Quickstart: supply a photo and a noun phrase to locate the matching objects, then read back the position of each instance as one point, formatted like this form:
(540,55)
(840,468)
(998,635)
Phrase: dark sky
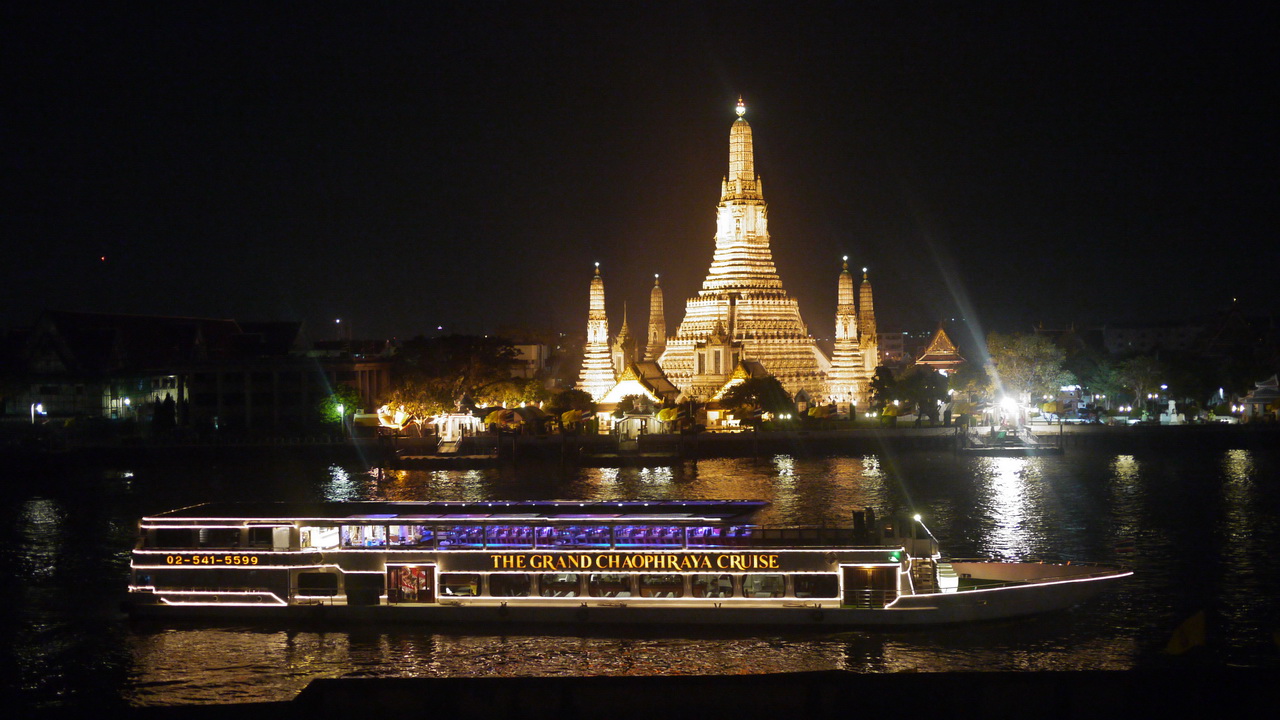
(465,164)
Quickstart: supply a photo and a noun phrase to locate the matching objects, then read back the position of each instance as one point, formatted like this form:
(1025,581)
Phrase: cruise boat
(632,562)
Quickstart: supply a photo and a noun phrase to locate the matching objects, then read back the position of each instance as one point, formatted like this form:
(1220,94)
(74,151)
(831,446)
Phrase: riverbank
(605,451)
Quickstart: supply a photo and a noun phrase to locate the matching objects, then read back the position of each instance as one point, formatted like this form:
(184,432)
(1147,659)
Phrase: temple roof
(941,352)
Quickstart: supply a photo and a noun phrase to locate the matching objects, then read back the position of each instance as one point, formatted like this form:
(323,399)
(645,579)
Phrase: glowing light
(742,107)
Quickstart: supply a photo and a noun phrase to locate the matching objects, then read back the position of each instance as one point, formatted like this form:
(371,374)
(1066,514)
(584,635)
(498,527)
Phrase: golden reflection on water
(1239,473)
(341,486)
(1006,480)
(1127,496)
(175,667)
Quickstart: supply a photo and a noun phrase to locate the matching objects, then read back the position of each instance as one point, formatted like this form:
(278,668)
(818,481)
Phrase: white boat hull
(1039,588)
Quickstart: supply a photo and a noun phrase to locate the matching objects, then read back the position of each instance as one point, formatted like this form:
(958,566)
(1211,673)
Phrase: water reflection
(341,485)
(40,528)
(1248,541)
(225,666)
(1008,507)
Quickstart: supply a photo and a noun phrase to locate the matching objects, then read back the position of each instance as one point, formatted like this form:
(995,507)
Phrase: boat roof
(678,511)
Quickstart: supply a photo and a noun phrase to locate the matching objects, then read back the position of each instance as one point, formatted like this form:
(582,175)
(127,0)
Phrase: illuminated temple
(742,310)
(742,313)
(856,352)
(597,363)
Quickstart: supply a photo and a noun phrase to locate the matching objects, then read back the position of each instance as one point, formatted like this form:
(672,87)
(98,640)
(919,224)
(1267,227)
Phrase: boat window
(220,537)
(411,536)
(364,536)
(668,586)
(510,584)
(509,536)
(825,585)
(558,585)
(320,538)
(574,536)
(174,538)
(764,586)
(738,535)
(649,535)
(705,536)
(459,584)
(609,585)
(317,583)
(261,536)
(712,586)
(410,584)
(460,536)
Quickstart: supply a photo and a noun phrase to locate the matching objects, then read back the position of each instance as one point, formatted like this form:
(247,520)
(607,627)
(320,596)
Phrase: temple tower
(846,381)
(870,339)
(742,311)
(657,324)
(624,347)
(597,366)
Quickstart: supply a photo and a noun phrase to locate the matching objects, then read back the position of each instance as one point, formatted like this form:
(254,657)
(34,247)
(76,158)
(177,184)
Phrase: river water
(1198,527)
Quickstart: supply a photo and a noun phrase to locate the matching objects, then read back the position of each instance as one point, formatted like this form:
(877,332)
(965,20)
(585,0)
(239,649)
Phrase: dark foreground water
(1201,528)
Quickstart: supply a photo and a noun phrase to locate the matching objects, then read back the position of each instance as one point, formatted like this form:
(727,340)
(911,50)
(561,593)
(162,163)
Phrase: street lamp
(36,408)
(342,425)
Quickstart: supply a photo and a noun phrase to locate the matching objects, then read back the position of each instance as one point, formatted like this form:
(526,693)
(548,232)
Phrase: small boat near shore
(1010,442)
(698,562)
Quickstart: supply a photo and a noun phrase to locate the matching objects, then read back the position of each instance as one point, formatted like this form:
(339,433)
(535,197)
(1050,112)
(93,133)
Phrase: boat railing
(868,598)
(1103,570)
(296,599)
(250,594)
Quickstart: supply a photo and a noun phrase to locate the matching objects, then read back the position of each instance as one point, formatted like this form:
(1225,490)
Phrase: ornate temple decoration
(742,311)
(847,381)
(867,333)
(597,365)
(624,347)
(657,324)
(632,382)
(941,354)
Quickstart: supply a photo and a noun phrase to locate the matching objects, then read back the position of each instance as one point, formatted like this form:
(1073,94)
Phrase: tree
(455,367)
(923,387)
(973,381)
(570,407)
(1141,375)
(344,397)
(1105,380)
(1023,366)
(883,389)
(421,400)
(757,394)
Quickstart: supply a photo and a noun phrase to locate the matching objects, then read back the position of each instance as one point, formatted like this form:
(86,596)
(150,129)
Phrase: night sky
(464,164)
